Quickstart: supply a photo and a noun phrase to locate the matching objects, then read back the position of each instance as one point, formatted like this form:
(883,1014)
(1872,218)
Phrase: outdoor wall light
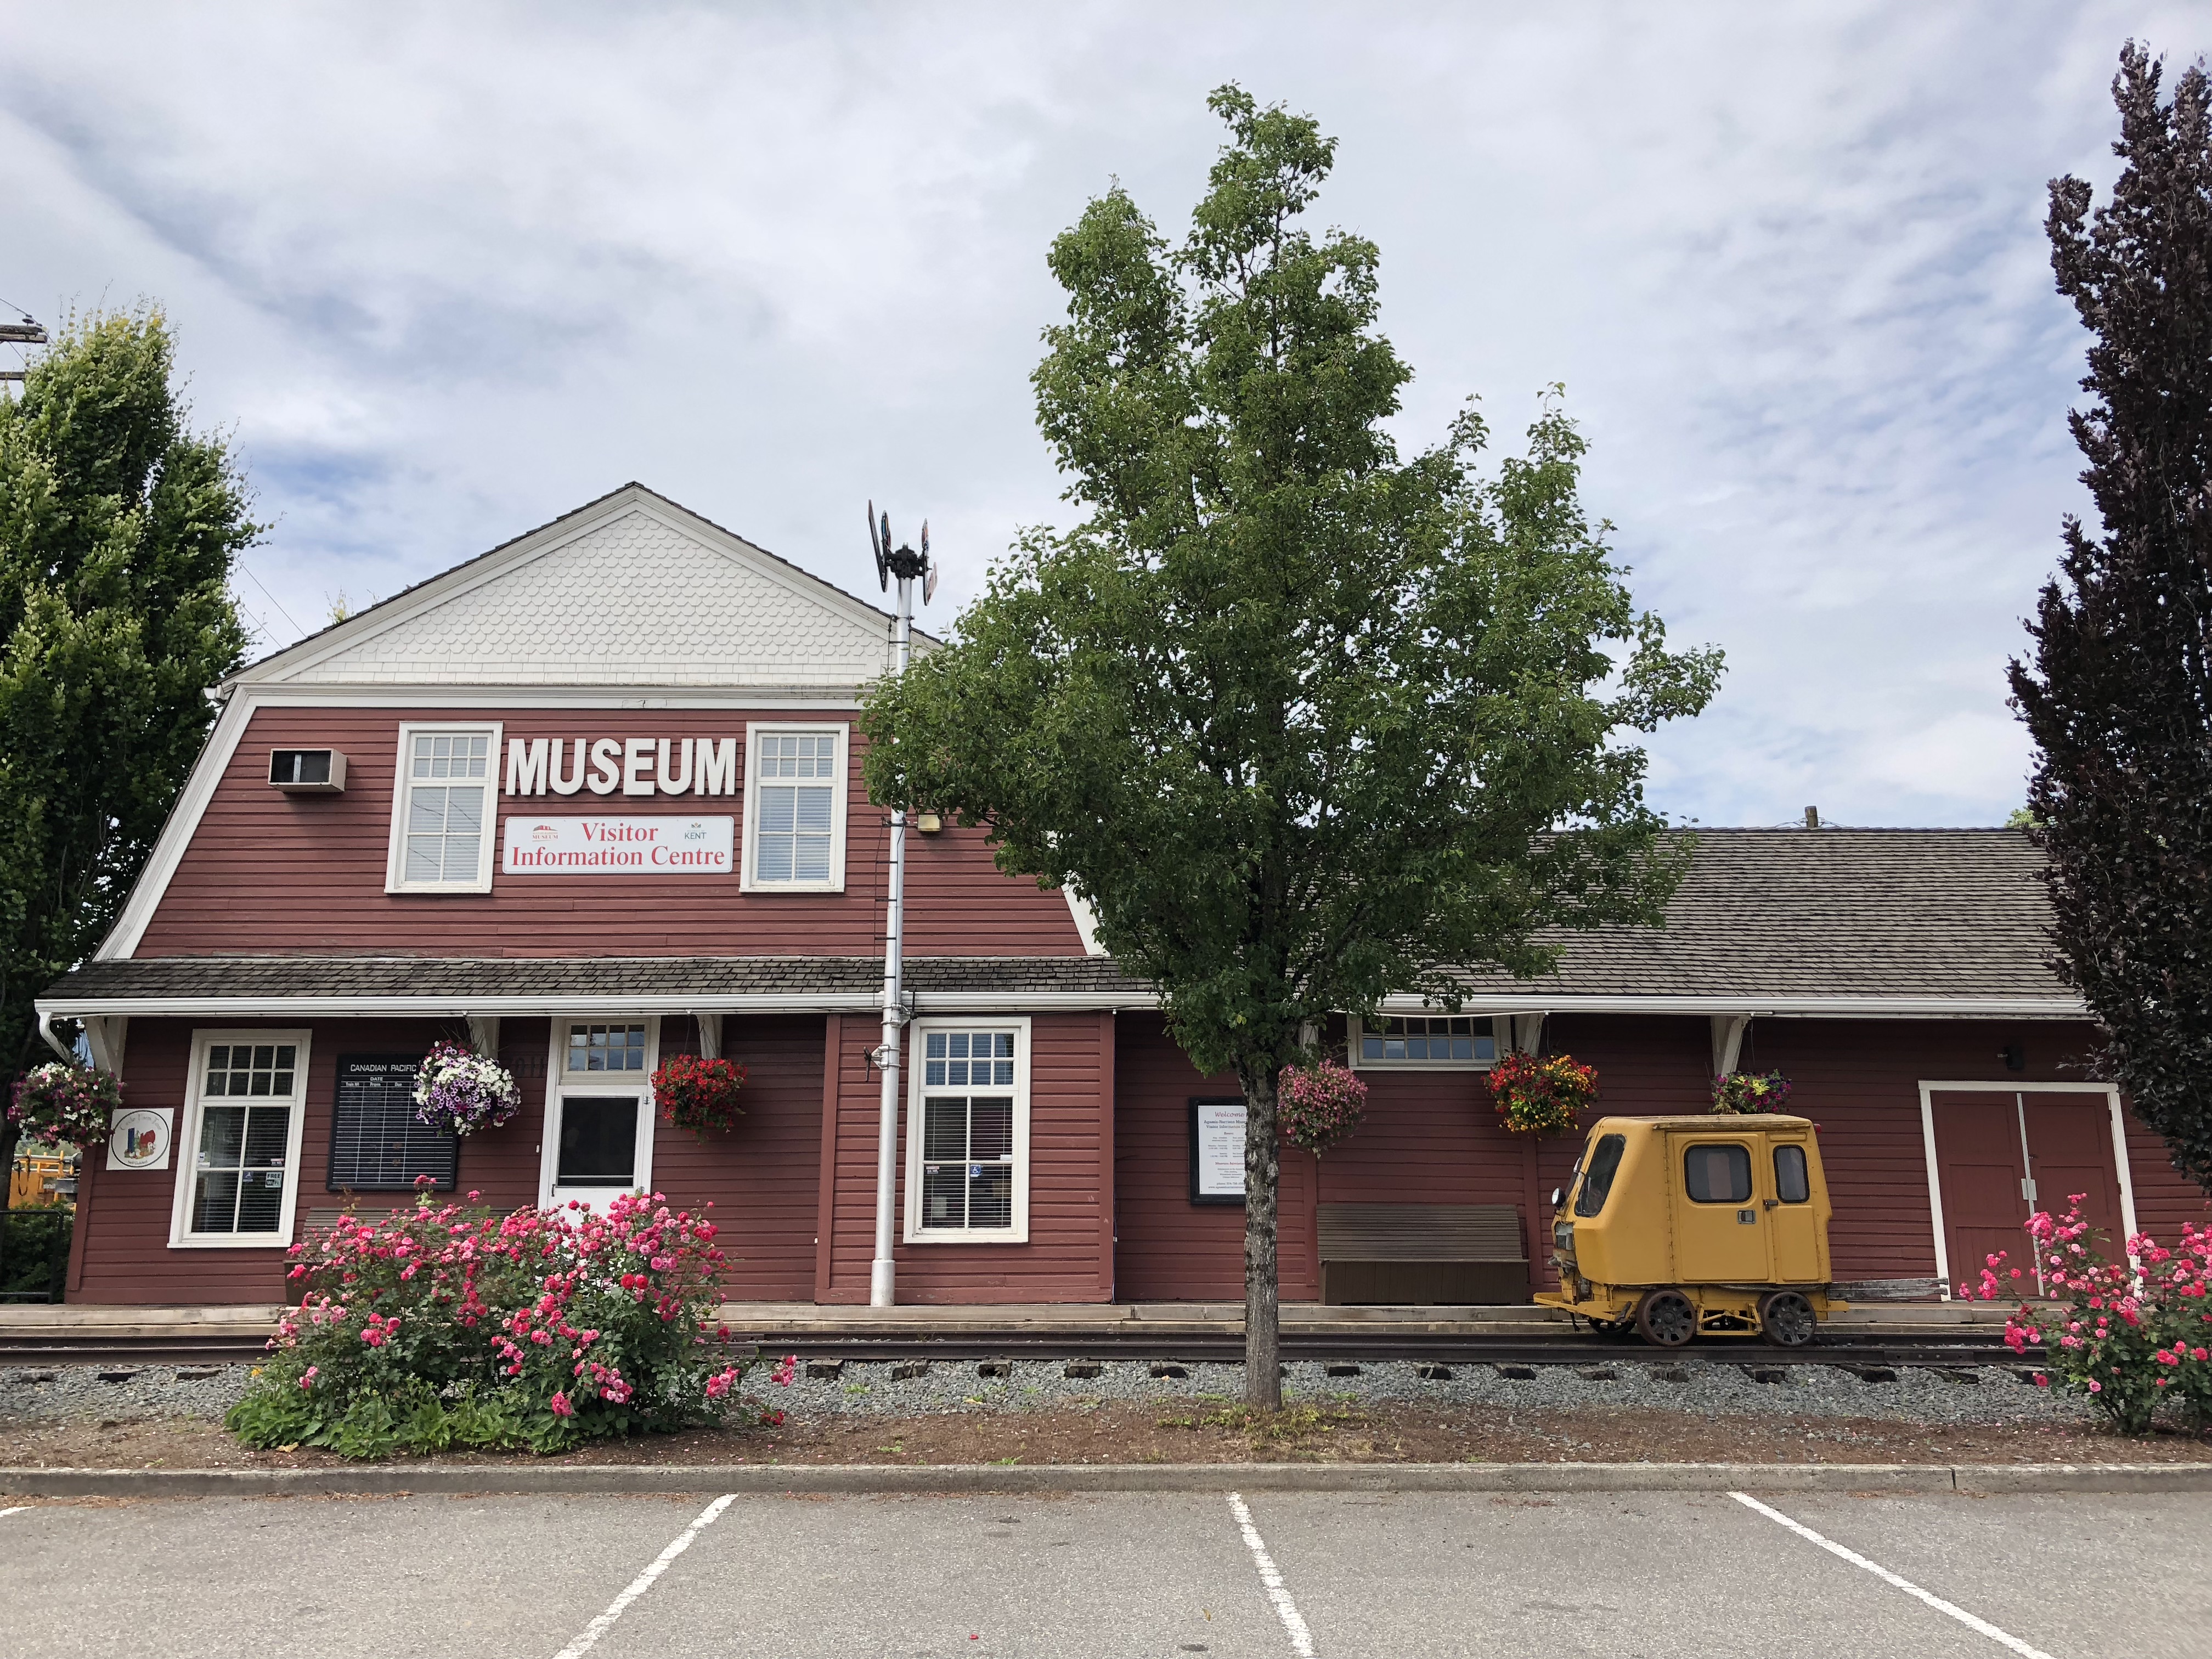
(927,823)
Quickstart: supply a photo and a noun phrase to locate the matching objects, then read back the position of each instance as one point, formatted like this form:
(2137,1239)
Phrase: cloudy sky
(447,272)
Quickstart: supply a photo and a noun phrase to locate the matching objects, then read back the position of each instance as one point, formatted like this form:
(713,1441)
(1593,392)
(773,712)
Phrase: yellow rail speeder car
(1678,1226)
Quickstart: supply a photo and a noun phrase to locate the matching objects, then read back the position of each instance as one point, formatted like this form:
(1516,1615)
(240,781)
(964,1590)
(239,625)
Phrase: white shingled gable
(631,591)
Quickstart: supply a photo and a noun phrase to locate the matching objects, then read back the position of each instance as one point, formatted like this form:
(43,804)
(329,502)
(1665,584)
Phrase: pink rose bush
(442,1325)
(2133,1334)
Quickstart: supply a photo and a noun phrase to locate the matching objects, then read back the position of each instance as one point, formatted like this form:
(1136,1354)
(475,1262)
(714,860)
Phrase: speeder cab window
(1717,1174)
(1597,1181)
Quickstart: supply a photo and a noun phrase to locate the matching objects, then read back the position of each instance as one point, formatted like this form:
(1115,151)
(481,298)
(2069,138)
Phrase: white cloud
(450,273)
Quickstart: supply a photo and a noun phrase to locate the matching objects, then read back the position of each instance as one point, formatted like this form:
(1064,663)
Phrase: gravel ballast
(49,1393)
(1710,1386)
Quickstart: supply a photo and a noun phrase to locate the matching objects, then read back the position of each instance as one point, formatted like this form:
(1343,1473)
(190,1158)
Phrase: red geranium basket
(699,1095)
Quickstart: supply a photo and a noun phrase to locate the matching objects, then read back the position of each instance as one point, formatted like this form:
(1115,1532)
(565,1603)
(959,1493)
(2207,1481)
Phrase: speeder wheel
(1667,1319)
(1786,1318)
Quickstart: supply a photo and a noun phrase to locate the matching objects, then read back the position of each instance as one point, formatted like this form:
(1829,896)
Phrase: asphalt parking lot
(1335,1576)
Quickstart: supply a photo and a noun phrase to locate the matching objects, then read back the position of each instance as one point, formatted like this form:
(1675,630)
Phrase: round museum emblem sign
(139,1139)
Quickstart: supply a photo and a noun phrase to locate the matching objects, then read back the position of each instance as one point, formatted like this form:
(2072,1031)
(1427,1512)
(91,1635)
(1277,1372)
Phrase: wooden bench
(1465,1254)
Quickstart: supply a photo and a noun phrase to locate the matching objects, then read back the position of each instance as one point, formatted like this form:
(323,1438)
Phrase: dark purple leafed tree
(2119,696)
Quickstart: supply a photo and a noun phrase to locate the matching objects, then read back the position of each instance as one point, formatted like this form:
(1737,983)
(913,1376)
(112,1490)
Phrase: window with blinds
(795,808)
(443,808)
(241,1135)
(968,1164)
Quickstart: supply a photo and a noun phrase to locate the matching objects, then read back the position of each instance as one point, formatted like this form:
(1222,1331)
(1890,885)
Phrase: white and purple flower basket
(462,1092)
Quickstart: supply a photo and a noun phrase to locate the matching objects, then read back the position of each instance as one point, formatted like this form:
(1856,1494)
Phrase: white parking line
(643,1582)
(1888,1577)
(18,1510)
(1272,1580)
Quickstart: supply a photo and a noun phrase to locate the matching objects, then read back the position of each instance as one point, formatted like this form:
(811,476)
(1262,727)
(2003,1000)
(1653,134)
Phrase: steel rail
(1567,1349)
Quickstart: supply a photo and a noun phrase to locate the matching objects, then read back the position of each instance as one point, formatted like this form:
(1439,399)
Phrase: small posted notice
(1218,1150)
(619,847)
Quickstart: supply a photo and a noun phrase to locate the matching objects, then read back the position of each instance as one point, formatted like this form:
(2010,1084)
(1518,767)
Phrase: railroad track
(1569,1348)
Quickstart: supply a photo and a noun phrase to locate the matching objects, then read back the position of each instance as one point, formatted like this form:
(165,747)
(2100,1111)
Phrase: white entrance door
(599,1111)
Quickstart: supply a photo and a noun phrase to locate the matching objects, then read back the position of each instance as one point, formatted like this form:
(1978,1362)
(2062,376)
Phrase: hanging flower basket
(1541,1096)
(65,1104)
(1747,1091)
(699,1095)
(1317,1106)
(458,1089)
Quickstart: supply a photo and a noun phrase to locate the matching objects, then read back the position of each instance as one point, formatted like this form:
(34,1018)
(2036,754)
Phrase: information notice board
(1216,1150)
(377,1143)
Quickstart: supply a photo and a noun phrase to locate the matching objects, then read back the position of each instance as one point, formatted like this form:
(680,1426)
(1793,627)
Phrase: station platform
(818,1324)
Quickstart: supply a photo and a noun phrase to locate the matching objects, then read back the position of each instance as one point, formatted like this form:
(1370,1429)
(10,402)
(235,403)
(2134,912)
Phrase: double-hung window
(794,809)
(444,807)
(967,1132)
(1415,1042)
(240,1176)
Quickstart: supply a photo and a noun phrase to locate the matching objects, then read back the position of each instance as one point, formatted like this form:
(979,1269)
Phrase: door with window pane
(249,1094)
(968,1132)
(599,1122)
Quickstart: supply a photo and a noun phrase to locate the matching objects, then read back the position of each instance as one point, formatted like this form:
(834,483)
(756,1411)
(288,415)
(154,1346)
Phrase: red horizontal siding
(2164,1197)
(1168,1248)
(760,1178)
(793,1188)
(1060,1261)
(1858,1080)
(325,855)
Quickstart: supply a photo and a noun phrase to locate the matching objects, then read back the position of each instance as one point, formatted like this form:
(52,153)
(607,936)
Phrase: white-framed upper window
(443,808)
(1451,1042)
(238,1179)
(967,1132)
(794,808)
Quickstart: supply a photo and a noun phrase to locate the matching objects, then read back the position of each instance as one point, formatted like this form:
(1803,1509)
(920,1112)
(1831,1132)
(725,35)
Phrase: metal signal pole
(25,332)
(908,566)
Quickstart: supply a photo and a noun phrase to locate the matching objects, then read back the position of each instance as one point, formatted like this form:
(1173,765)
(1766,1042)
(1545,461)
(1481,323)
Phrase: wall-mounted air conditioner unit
(307,771)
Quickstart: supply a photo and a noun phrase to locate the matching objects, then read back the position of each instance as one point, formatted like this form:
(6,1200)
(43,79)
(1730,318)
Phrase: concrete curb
(386,1480)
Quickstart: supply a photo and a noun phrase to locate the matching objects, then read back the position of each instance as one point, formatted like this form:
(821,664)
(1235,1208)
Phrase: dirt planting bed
(1199,1430)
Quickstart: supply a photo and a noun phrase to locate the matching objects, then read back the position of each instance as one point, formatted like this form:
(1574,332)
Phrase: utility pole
(908,566)
(25,332)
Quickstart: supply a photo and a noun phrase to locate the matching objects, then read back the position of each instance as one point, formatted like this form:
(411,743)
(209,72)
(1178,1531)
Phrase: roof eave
(445,1006)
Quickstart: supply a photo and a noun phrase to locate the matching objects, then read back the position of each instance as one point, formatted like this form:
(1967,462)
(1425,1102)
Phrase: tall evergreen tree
(117,530)
(2119,695)
(1309,722)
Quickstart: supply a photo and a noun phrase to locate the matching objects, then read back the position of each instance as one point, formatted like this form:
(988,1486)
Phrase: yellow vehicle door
(1720,1232)
(1793,1221)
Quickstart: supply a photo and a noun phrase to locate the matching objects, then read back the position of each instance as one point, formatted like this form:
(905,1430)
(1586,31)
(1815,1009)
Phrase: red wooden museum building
(594,799)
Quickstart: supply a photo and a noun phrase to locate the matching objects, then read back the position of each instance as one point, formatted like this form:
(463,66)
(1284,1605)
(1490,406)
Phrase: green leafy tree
(2119,697)
(117,530)
(1307,722)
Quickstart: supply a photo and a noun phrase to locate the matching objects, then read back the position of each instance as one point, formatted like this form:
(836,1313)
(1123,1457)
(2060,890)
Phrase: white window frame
(561,1082)
(749,880)
(188,1143)
(1500,1041)
(1018,1233)
(395,868)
